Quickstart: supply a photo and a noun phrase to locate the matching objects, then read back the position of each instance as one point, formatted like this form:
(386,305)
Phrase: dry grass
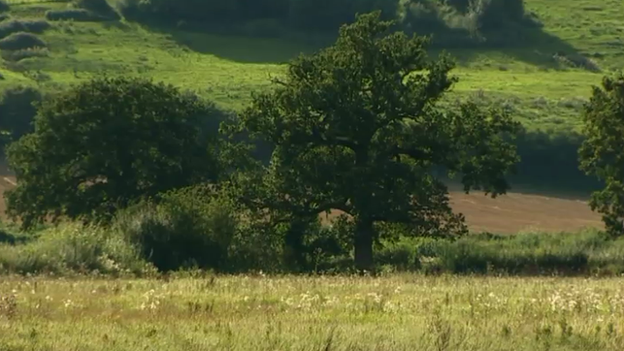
(399,312)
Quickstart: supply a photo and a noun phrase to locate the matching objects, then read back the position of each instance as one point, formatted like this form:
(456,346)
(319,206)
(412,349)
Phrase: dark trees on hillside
(17,110)
(356,128)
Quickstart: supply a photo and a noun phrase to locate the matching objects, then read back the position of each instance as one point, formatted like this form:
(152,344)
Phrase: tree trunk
(364,244)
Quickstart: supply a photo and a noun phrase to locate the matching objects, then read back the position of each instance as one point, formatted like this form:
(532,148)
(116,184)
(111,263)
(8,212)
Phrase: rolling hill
(529,77)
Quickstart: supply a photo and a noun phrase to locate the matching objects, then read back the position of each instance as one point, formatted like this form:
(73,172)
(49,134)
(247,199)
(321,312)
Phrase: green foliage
(85,11)
(601,153)
(183,230)
(21,41)
(106,143)
(356,128)
(522,254)
(72,248)
(14,26)
(490,14)
(4,6)
(17,108)
(323,15)
(99,7)
(198,227)
(549,161)
(328,15)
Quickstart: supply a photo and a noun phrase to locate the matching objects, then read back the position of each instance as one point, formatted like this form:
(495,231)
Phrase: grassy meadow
(398,312)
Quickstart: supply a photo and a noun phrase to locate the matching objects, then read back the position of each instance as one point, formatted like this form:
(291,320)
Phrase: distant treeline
(326,15)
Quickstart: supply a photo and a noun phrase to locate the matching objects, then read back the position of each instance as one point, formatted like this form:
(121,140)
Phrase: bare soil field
(506,214)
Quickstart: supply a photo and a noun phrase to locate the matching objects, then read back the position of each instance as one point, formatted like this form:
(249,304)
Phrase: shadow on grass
(243,49)
(524,43)
(527,43)
(7,238)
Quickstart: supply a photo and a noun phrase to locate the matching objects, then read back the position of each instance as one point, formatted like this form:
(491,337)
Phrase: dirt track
(505,215)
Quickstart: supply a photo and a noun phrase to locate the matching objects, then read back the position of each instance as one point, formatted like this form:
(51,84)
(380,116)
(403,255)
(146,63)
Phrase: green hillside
(545,92)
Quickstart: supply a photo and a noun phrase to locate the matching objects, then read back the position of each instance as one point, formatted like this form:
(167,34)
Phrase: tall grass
(530,253)
(70,249)
(152,238)
(245,313)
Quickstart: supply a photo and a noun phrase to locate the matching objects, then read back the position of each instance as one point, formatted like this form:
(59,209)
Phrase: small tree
(105,143)
(356,128)
(602,152)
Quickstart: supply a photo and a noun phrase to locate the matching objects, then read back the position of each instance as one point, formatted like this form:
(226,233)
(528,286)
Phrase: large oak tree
(107,142)
(356,127)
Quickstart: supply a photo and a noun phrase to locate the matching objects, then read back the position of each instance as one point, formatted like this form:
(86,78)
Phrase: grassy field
(399,312)
(544,93)
(396,312)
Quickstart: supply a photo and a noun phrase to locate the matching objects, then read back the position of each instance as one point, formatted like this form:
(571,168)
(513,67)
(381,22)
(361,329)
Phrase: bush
(15,26)
(100,7)
(4,7)
(21,41)
(323,15)
(494,14)
(583,253)
(329,15)
(72,249)
(18,110)
(550,162)
(181,231)
(18,55)
(173,11)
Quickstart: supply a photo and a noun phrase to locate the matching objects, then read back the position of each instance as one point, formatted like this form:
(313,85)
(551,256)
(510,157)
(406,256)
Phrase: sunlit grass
(399,312)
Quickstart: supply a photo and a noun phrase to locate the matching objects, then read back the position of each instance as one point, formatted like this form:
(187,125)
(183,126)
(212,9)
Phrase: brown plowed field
(505,215)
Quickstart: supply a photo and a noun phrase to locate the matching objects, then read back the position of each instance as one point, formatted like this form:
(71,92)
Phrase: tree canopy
(602,152)
(104,143)
(356,127)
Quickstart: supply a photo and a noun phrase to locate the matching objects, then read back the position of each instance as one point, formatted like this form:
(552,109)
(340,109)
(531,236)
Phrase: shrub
(328,15)
(100,7)
(181,231)
(550,162)
(21,41)
(320,15)
(18,110)
(18,55)
(4,16)
(72,248)
(494,14)
(15,26)
(530,253)
(4,7)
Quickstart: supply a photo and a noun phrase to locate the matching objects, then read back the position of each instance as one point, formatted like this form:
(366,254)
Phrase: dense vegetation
(107,142)
(356,127)
(323,15)
(256,312)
